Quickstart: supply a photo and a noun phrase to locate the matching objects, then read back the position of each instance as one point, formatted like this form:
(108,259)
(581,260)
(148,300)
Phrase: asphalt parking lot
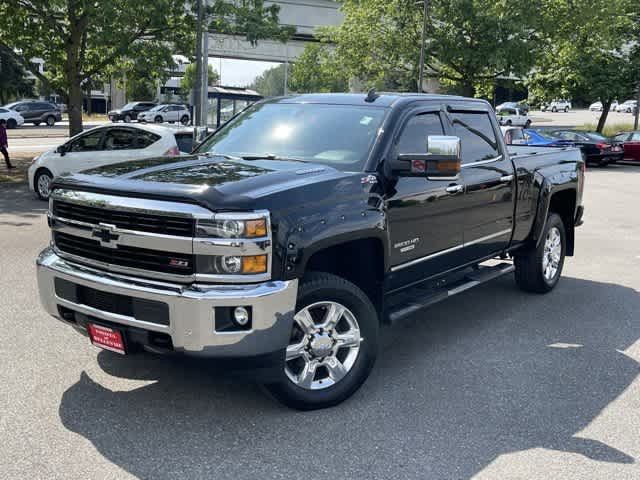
(492,384)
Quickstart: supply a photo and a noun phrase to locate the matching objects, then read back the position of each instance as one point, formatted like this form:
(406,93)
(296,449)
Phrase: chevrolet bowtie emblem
(104,232)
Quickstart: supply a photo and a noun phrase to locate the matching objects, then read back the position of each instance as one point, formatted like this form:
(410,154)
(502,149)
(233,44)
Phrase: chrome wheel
(44,182)
(325,342)
(552,254)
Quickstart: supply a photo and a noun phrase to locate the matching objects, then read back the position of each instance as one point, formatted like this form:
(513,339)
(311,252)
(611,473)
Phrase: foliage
(248,18)
(590,51)
(188,80)
(13,82)
(271,82)
(469,42)
(318,70)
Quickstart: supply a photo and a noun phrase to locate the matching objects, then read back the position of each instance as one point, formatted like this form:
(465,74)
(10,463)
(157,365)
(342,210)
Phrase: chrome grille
(162,224)
(131,257)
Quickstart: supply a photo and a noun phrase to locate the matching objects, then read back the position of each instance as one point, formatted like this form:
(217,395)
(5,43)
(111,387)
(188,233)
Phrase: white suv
(166,113)
(559,106)
(627,107)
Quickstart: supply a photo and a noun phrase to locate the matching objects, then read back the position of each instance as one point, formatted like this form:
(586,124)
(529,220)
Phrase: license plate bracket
(107,338)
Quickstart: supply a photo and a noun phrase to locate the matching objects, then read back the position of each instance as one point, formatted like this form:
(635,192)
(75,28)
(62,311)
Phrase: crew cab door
(488,177)
(424,215)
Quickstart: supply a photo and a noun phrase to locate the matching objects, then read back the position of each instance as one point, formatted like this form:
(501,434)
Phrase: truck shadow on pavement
(489,372)
(19,201)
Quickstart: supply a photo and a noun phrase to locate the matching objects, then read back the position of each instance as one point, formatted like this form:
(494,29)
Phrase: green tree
(188,80)
(13,80)
(83,38)
(469,42)
(591,51)
(318,70)
(271,82)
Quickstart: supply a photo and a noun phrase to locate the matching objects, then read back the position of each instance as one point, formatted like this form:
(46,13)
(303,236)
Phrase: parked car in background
(13,118)
(533,138)
(522,105)
(630,145)
(513,116)
(104,145)
(37,112)
(130,111)
(597,106)
(596,147)
(627,107)
(166,113)
(558,106)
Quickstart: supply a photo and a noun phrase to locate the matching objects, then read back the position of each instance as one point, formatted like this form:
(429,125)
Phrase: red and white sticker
(106,338)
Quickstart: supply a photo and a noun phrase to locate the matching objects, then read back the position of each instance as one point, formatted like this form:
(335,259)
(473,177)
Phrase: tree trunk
(75,106)
(606,105)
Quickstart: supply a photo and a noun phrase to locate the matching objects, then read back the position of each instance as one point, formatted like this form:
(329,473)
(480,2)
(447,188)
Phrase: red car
(631,144)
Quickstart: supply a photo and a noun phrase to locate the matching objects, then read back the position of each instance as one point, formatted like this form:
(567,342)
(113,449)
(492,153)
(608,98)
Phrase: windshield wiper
(270,156)
(223,155)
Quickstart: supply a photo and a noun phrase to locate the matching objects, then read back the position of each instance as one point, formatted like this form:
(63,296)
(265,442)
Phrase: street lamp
(422,45)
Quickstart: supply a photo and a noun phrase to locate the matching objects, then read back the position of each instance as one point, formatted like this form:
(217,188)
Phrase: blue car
(533,138)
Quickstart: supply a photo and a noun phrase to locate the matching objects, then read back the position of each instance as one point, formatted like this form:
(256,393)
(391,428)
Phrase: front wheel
(554,109)
(332,346)
(127,119)
(42,183)
(566,109)
(51,121)
(158,119)
(184,120)
(539,270)
(11,123)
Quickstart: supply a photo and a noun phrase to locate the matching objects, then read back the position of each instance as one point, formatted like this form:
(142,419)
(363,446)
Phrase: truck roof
(384,99)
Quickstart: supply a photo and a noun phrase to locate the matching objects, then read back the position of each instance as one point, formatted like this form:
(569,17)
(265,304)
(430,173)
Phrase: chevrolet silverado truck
(295,230)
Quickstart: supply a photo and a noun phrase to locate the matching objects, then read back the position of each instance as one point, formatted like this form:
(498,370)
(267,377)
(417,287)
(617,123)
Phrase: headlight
(230,228)
(231,264)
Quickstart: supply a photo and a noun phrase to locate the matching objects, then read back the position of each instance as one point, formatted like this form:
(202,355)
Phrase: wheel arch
(562,200)
(360,261)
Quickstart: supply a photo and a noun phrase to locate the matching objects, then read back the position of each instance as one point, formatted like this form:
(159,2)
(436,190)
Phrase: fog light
(241,316)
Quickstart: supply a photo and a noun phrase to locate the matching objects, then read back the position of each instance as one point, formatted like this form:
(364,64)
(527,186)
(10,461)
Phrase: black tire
(318,287)
(529,266)
(554,109)
(508,123)
(36,123)
(184,120)
(11,123)
(158,119)
(527,124)
(51,121)
(566,109)
(40,192)
(127,118)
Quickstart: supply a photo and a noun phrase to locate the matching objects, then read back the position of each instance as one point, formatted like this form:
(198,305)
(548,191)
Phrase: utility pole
(422,45)
(205,75)
(197,85)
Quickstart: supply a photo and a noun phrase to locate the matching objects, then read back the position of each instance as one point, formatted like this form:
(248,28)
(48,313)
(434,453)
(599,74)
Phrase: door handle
(454,189)
(506,178)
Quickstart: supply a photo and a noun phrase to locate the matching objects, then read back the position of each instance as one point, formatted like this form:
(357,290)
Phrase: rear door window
(120,139)
(477,138)
(145,139)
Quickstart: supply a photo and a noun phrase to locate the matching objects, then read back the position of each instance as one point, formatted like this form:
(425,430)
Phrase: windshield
(337,135)
(11,105)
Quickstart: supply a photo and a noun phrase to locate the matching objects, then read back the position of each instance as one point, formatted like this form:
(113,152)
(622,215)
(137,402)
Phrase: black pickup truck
(291,233)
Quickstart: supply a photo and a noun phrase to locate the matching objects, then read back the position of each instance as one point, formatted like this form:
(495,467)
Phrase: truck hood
(214,182)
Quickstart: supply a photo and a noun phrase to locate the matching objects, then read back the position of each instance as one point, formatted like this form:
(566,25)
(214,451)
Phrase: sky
(238,73)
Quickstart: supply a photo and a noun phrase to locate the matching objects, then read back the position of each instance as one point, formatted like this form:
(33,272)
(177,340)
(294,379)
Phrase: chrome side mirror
(442,159)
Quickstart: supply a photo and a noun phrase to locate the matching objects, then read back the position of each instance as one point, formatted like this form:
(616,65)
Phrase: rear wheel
(539,270)
(11,123)
(42,183)
(508,122)
(51,121)
(127,118)
(184,120)
(332,347)
(566,109)
(527,124)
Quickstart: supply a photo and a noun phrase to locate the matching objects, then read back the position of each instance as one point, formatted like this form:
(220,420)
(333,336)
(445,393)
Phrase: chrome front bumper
(191,308)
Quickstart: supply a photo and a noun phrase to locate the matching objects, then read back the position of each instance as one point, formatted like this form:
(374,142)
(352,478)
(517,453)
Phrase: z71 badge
(407,245)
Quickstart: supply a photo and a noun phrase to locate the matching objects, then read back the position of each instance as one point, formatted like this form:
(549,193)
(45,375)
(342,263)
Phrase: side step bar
(418,297)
